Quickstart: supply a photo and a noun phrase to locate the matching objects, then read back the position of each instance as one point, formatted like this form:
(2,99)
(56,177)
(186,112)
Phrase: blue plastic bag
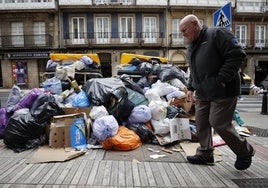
(81,100)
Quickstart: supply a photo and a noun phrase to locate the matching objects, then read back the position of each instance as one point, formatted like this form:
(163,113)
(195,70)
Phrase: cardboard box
(179,129)
(74,110)
(78,134)
(183,103)
(59,135)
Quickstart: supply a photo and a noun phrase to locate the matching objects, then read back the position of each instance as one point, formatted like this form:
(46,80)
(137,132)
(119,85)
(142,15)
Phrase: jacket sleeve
(231,53)
(189,85)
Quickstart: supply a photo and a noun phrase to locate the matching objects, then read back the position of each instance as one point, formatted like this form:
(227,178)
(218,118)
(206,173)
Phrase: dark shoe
(244,162)
(199,159)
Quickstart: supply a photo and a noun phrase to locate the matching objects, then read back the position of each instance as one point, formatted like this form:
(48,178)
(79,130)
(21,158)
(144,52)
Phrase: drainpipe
(60,36)
(166,30)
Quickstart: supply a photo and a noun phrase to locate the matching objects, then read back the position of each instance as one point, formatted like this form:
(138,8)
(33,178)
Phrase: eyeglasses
(185,29)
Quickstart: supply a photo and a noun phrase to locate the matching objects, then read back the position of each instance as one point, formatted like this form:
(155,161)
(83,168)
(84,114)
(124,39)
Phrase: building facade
(31,30)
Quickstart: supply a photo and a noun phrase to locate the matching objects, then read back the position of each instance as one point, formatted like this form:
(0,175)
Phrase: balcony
(200,3)
(257,6)
(25,41)
(27,5)
(96,2)
(106,39)
(176,40)
(251,44)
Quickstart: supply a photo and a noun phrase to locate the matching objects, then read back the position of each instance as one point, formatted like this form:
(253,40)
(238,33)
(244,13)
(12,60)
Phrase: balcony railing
(109,39)
(27,4)
(257,43)
(257,6)
(97,2)
(25,41)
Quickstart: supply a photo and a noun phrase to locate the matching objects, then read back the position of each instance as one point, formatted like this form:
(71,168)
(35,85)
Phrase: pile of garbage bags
(124,114)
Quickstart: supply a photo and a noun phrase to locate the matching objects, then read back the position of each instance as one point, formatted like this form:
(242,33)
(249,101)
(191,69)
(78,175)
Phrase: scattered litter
(166,150)
(90,146)
(156,156)
(136,161)
(153,150)
(177,149)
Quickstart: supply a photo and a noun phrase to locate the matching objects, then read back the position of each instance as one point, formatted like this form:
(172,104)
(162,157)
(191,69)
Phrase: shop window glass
(19,72)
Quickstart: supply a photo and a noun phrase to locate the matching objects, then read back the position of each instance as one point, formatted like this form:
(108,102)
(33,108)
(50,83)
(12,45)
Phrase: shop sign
(27,55)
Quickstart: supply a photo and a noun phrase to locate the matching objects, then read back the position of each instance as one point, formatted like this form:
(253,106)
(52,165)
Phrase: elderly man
(214,58)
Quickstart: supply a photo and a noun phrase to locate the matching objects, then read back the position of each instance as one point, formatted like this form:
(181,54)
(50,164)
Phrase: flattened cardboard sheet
(190,148)
(46,154)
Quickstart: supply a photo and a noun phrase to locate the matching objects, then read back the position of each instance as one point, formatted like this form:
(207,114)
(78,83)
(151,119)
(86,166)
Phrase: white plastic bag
(161,127)
(163,88)
(158,109)
(105,127)
(97,112)
(140,114)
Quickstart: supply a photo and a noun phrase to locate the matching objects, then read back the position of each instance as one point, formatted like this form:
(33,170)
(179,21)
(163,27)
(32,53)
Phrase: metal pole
(264,103)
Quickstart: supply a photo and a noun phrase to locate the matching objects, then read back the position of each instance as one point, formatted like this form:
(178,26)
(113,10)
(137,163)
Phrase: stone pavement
(92,170)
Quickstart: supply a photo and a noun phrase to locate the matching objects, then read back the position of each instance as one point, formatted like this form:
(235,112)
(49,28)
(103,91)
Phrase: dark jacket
(214,60)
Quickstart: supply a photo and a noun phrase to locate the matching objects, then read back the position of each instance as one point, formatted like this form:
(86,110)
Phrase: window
(126,2)
(78,30)
(177,37)
(9,1)
(102,30)
(101,2)
(17,34)
(39,33)
(19,72)
(149,29)
(241,34)
(260,33)
(126,29)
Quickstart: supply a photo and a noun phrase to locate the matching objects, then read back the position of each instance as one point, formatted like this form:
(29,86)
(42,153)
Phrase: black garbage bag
(145,68)
(99,90)
(174,111)
(129,82)
(136,61)
(65,84)
(120,107)
(137,98)
(45,107)
(144,82)
(141,130)
(172,72)
(23,132)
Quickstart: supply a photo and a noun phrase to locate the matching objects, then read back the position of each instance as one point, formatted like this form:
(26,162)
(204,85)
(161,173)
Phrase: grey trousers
(219,115)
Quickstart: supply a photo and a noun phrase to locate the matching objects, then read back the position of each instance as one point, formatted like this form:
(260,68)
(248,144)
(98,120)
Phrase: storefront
(23,69)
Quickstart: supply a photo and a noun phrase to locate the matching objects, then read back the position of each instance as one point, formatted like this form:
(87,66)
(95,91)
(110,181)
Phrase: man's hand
(190,96)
